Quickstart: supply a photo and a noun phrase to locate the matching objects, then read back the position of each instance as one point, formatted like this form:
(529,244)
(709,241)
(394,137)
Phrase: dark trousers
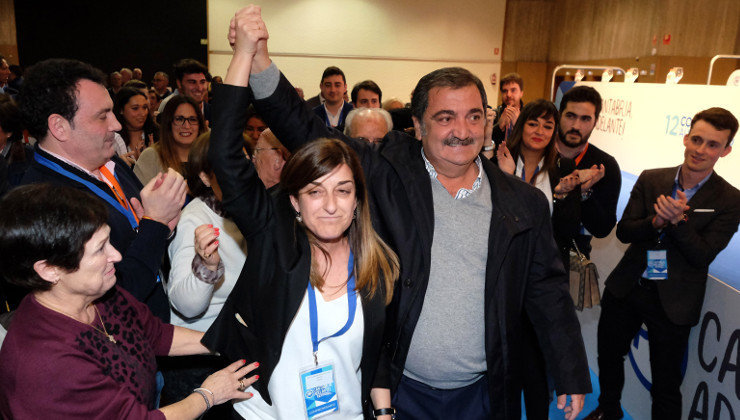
(535,386)
(620,320)
(415,400)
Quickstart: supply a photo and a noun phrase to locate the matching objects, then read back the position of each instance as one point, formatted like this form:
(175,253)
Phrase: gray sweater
(448,349)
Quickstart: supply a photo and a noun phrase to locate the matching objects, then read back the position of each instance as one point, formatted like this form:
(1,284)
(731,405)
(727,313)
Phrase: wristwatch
(385,411)
(585,194)
(488,148)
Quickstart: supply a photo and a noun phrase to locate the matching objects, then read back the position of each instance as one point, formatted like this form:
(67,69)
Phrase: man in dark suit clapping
(676,222)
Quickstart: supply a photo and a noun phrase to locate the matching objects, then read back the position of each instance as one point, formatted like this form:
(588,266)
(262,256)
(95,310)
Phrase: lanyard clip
(315,359)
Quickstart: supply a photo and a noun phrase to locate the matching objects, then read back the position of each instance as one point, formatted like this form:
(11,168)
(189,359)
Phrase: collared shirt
(331,119)
(462,192)
(691,191)
(111,165)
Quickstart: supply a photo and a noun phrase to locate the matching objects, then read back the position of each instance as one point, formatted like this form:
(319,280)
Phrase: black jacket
(599,212)
(523,271)
(273,282)
(690,246)
(142,251)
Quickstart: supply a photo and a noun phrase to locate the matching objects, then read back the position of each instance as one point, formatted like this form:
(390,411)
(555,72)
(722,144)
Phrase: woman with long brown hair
(180,124)
(309,305)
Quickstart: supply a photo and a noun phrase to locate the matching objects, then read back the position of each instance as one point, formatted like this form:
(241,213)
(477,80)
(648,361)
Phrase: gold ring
(242,386)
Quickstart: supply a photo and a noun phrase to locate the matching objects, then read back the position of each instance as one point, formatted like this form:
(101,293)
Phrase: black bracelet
(384,411)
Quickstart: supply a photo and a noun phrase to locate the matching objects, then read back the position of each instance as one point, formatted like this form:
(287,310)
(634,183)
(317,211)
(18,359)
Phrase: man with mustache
(475,247)
(579,111)
(676,222)
(69,111)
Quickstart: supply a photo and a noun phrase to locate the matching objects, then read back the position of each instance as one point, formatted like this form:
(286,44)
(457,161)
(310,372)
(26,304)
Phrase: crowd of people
(335,256)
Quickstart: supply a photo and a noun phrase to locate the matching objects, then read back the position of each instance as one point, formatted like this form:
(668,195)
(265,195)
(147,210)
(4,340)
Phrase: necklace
(102,324)
(104,330)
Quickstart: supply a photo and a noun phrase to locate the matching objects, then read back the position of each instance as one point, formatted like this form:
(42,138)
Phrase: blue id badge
(319,391)
(657,265)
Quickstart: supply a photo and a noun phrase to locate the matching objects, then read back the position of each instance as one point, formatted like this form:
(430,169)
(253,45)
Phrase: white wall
(391,42)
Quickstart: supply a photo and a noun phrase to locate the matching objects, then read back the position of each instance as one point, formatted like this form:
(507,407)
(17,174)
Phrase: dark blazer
(273,282)
(346,108)
(142,251)
(313,102)
(691,246)
(523,271)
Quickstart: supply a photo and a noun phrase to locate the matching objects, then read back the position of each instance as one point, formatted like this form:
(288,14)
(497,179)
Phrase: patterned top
(462,192)
(56,367)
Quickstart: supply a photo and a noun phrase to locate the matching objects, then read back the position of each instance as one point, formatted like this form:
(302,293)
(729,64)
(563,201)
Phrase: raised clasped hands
(669,209)
(247,31)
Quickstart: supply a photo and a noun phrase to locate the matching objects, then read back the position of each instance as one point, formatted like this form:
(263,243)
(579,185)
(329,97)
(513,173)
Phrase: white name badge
(657,265)
(319,391)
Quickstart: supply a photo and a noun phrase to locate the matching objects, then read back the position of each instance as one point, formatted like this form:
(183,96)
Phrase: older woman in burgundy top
(79,347)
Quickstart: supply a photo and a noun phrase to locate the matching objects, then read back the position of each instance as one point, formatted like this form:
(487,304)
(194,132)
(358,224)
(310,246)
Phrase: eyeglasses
(180,120)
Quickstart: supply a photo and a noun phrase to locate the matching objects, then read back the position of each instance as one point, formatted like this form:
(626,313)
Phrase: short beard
(564,140)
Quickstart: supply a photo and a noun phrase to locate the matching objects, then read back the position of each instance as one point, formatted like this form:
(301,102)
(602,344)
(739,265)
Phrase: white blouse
(343,352)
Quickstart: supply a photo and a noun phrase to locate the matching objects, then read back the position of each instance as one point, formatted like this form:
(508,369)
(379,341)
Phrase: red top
(53,366)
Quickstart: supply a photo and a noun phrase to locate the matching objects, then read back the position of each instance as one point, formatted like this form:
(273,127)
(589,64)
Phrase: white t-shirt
(343,352)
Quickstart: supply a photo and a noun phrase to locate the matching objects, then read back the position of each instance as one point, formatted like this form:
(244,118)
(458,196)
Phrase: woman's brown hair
(165,147)
(375,261)
(533,110)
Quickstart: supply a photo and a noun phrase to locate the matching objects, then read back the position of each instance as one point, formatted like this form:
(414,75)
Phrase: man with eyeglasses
(69,111)
(192,78)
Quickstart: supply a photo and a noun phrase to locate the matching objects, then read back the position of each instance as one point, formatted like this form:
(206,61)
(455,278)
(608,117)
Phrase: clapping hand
(590,176)
(669,209)
(568,183)
(505,161)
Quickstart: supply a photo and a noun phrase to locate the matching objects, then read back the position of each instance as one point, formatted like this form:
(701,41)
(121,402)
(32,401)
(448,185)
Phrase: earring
(298,217)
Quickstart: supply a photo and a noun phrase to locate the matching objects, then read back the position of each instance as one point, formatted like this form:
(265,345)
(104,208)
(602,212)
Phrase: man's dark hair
(45,222)
(10,118)
(50,87)
(720,119)
(451,77)
(135,84)
(367,85)
(333,71)
(512,78)
(189,66)
(582,94)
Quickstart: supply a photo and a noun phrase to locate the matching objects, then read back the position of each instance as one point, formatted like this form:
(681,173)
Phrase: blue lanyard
(92,187)
(313,315)
(328,121)
(536,170)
